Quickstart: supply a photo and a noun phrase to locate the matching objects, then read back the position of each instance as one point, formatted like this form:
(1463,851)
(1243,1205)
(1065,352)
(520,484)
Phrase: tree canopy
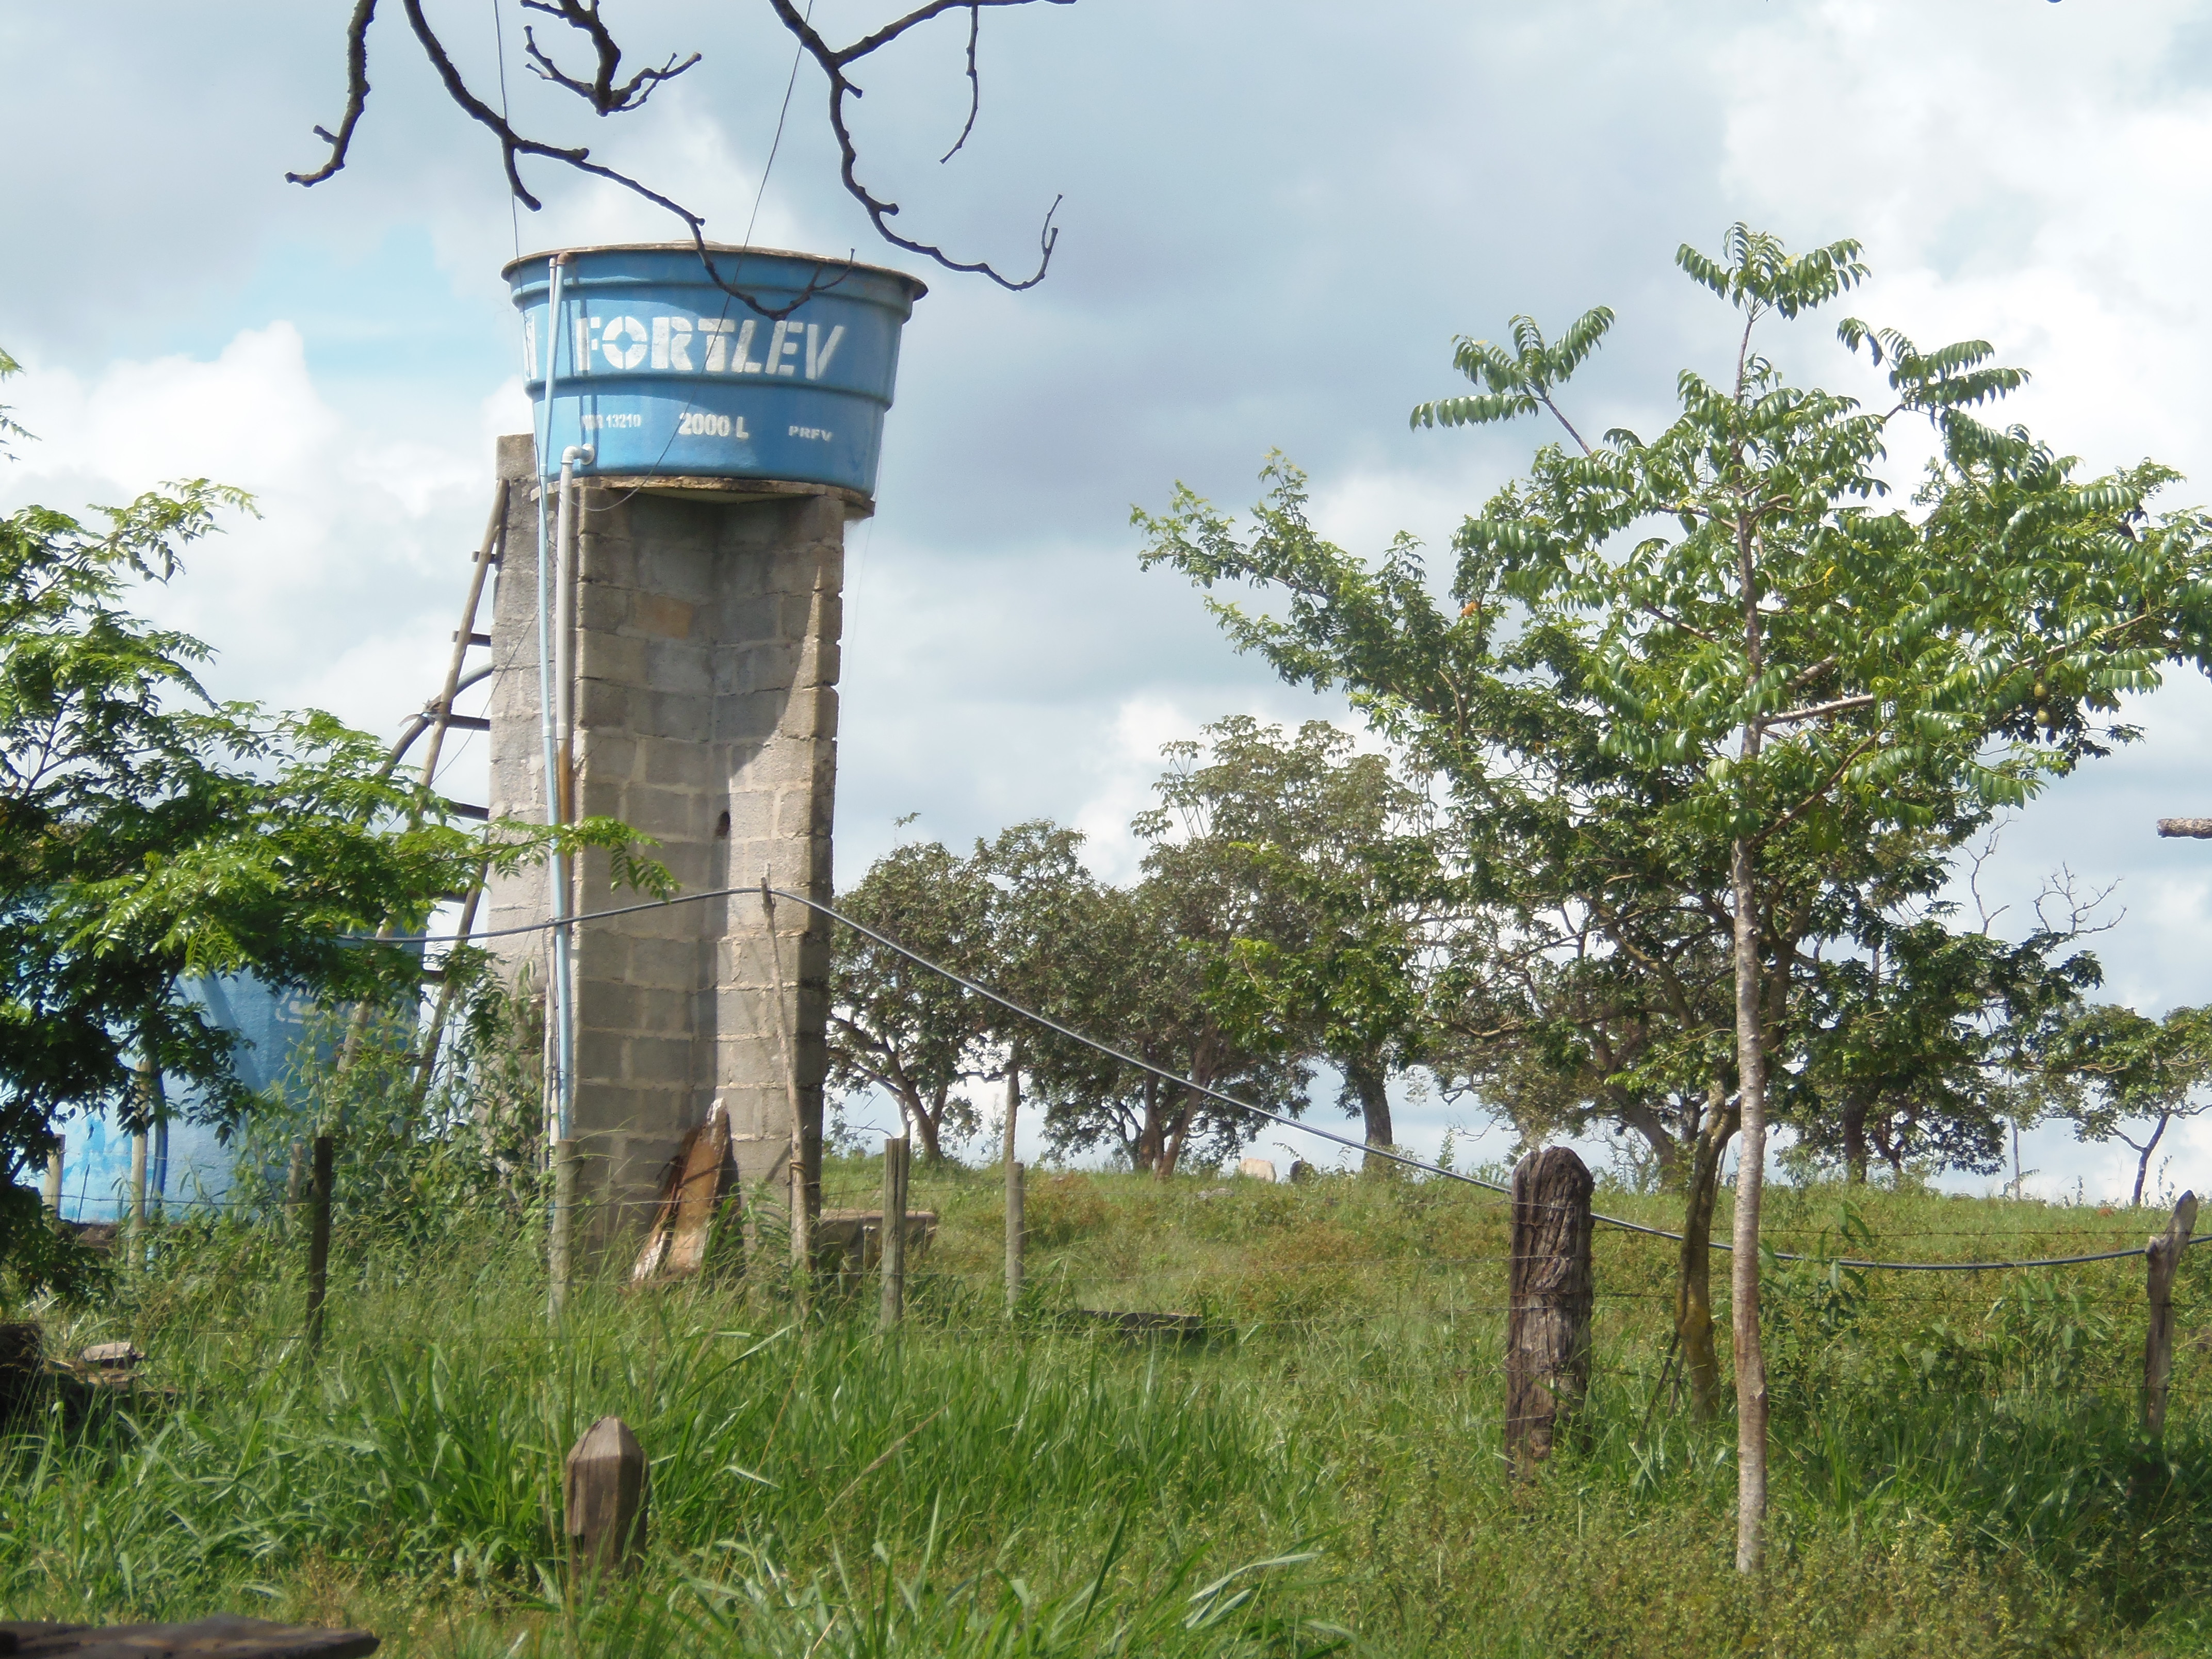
(1762,665)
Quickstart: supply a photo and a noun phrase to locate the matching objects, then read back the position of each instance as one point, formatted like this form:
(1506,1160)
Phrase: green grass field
(1957,1470)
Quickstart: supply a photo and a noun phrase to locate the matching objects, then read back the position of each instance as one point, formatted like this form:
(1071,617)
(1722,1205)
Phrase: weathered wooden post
(2161,1256)
(52,1195)
(136,1256)
(560,1244)
(1547,1343)
(606,1494)
(319,1241)
(806,1194)
(1015,1233)
(896,1151)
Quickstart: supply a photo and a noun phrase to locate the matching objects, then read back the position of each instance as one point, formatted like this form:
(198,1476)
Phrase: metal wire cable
(1208,1090)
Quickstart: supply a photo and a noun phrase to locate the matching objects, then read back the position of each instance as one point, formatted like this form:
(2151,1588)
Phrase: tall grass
(1958,1470)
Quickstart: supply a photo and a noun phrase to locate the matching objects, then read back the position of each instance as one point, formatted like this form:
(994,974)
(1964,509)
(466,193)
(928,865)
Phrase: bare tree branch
(357,97)
(974,84)
(834,63)
(600,91)
(610,97)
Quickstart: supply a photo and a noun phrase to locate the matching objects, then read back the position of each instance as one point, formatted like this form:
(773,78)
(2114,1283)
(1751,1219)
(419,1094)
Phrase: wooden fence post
(802,1237)
(318,1242)
(136,1256)
(560,1244)
(53,1192)
(606,1498)
(1547,1342)
(2161,1256)
(1015,1235)
(896,1149)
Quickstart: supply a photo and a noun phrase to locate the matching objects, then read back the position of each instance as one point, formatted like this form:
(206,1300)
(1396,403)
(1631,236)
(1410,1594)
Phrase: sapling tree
(1783,666)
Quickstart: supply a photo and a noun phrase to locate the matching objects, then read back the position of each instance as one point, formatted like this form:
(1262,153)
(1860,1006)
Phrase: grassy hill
(1957,1468)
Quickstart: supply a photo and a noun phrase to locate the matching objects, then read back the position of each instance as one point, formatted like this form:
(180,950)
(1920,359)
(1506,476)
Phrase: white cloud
(337,595)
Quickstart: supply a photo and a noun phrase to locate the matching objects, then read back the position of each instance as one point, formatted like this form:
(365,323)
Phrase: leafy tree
(152,833)
(1044,914)
(896,1026)
(2123,1076)
(1143,988)
(1783,670)
(1322,874)
(1924,1044)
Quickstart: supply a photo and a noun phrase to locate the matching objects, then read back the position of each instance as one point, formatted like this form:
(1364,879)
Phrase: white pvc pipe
(557,991)
(565,572)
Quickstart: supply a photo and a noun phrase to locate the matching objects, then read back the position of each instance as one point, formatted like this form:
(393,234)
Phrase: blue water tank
(190,1169)
(665,373)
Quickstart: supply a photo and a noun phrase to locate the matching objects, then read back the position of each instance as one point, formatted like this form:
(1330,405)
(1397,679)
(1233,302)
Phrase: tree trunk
(1854,1140)
(927,1123)
(1370,1085)
(2143,1163)
(1750,1182)
(1013,1102)
(1178,1132)
(1152,1138)
(1693,1288)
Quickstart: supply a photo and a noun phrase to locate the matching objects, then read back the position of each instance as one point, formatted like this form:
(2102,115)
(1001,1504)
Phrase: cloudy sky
(1275,219)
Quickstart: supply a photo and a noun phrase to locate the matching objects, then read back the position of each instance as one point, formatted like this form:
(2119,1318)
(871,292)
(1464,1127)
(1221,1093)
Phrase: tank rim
(916,283)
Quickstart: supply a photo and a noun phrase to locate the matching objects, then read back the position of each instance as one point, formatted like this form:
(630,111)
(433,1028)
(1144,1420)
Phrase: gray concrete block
(603,655)
(658,713)
(677,666)
(606,704)
(662,616)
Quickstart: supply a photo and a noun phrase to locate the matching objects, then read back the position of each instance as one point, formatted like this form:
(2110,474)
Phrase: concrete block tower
(708,616)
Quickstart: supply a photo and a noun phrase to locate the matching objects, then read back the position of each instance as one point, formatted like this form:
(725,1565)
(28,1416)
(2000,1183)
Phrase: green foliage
(1660,653)
(2121,1076)
(149,832)
(1130,968)
(1323,882)
(896,1026)
(1924,1047)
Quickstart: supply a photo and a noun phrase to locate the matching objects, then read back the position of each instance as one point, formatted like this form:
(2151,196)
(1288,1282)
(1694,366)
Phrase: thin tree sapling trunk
(1693,1289)
(1750,1180)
